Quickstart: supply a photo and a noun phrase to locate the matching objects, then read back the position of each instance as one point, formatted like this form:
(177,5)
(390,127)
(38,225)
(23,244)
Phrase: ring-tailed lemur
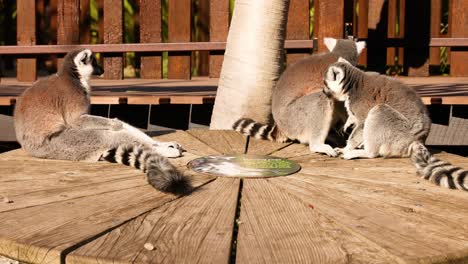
(52,121)
(390,120)
(300,110)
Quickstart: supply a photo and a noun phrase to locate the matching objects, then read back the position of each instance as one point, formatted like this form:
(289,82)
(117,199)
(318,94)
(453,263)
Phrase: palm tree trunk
(253,62)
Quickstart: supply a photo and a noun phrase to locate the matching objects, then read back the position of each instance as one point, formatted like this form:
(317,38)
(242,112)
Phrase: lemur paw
(116,124)
(168,149)
(323,148)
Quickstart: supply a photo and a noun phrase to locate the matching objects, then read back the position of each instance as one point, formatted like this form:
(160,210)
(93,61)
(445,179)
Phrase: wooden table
(332,211)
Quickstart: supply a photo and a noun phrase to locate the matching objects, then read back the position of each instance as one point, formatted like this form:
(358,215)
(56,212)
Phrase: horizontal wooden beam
(138,47)
(194,99)
(449,42)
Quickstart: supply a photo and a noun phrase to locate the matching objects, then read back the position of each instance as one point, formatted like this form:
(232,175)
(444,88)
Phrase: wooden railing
(403,36)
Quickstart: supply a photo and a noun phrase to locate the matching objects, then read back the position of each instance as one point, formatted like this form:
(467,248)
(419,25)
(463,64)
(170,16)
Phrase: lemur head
(335,80)
(346,48)
(81,64)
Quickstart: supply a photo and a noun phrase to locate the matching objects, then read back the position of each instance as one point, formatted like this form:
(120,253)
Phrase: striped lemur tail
(257,130)
(437,171)
(160,173)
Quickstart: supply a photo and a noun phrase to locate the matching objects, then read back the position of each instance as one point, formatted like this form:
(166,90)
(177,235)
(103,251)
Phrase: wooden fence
(404,37)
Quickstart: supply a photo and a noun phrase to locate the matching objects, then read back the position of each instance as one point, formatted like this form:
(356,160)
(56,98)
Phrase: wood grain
(194,229)
(113,34)
(297,28)
(225,141)
(436,17)
(414,223)
(219,27)
(264,147)
(329,19)
(190,143)
(459,29)
(26,35)
(276,227)
(150,32)
(363,28)
(179,25)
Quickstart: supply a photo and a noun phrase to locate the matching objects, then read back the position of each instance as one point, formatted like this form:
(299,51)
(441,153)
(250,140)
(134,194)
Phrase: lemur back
(52,121)
(300,110)
(389,119)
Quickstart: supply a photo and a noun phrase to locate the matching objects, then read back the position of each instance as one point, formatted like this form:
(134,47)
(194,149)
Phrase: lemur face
(86,64)
(334,80)
(333,83)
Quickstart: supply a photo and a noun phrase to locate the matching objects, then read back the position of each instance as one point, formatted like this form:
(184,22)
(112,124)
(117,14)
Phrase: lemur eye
(84,59)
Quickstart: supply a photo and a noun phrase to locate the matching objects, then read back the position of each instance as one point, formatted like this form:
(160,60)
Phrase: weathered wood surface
(201,90)
(332,211)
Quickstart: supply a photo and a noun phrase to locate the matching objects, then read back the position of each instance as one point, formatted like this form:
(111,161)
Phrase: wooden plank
(362,28)
(85,21)
(436,19)
(276,227)
(113,33)
(401,21)
(68,23)
(264,147)
(459,29)
(225,141)
(413,221)
(196,228)
(328,22)
(179,26)
(40,234)
(137,47)
(60,184)
(391,30)
(219,27)
(297,27)
(293,150)
(190,143)
(150,32)
(203,28)
(449,42)
(26,35)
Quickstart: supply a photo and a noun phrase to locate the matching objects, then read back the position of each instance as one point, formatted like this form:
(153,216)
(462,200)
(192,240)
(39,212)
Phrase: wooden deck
(332,211)
(434,90)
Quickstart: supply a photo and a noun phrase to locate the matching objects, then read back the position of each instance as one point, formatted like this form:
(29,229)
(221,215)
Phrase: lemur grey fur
(389,120)
(52,121)
(300,110)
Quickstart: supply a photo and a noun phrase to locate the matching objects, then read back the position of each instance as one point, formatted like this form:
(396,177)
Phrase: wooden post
(298,27)
(179,24)
(459,29)
(362,27)
(203,27)
(85,21)
(68,23)
(150,32)
(436,12)
(328,20)
(219,28)
(26,35)
(113,34)
(391,30)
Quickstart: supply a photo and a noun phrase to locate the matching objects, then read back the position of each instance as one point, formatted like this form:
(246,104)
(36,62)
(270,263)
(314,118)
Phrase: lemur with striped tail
(52,121)
(389,119)
(300,110)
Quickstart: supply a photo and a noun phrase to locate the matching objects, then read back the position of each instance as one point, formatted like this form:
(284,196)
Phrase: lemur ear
(360,45)
(330,43)
(341,59)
